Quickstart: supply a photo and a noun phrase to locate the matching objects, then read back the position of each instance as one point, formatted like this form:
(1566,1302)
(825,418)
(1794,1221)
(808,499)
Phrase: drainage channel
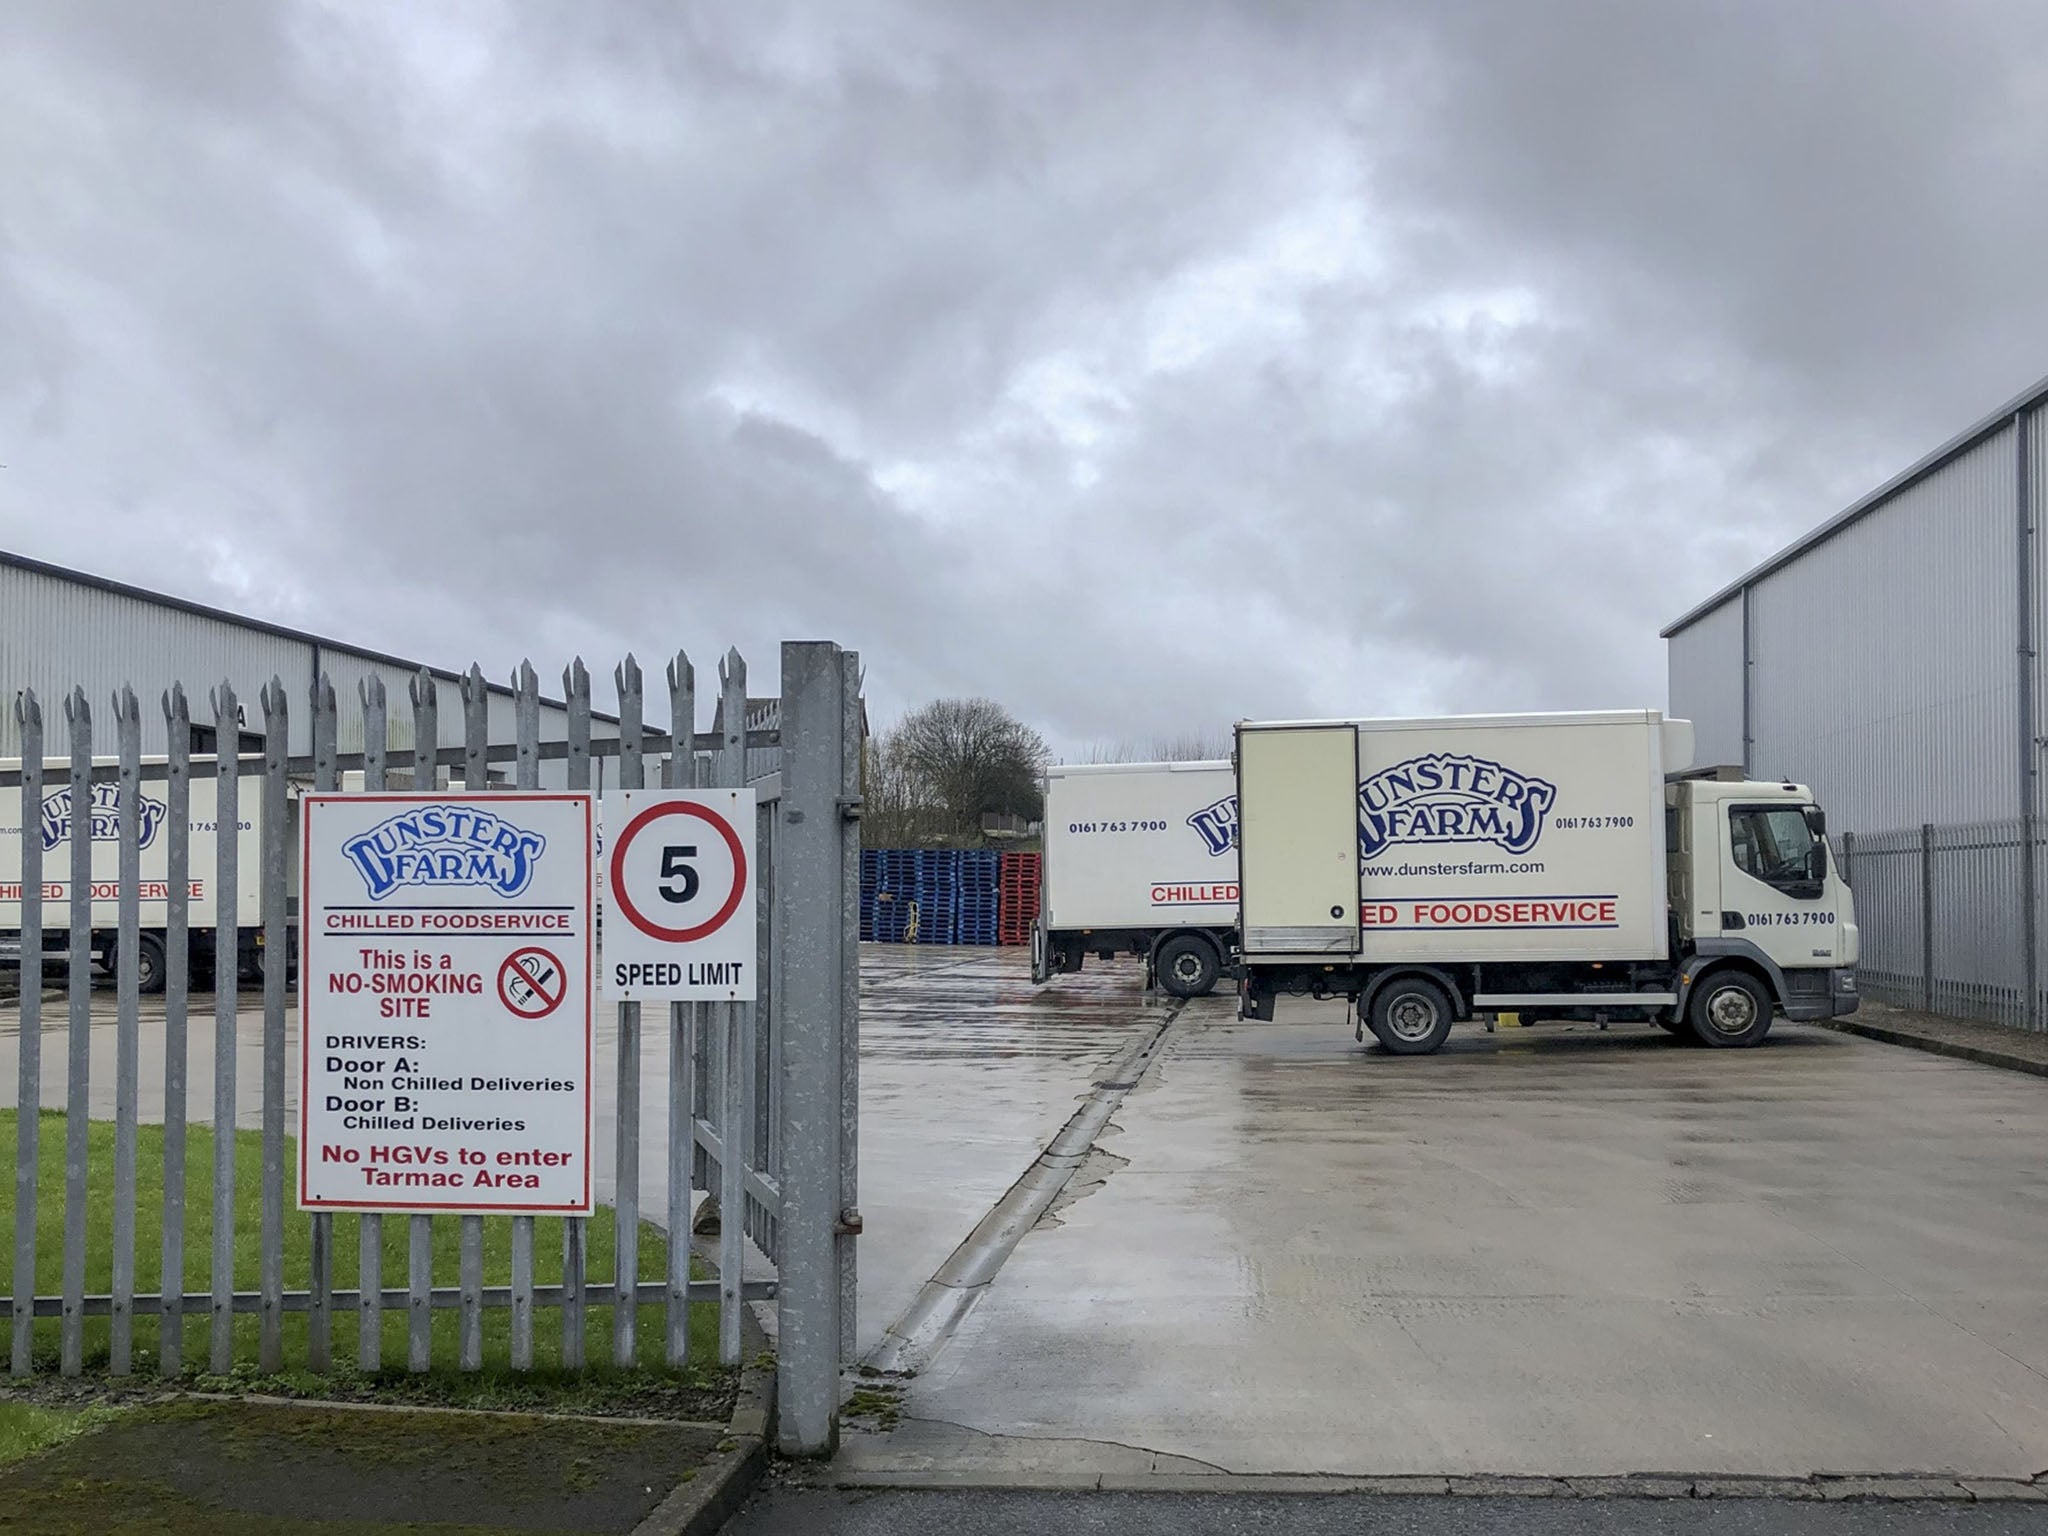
(914,1340)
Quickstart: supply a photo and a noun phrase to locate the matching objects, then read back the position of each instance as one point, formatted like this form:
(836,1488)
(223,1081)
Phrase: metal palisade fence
(759,1098)
(1945,920)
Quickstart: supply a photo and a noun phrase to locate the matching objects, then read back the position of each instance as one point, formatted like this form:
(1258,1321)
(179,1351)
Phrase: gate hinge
(848,1224)
(850,810)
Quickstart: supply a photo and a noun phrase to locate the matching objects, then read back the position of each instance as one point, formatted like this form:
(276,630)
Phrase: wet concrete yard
(1549,1251)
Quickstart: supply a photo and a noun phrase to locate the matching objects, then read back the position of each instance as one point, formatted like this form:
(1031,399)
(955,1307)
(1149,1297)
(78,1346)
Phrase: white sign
(679,895)
(445,1003)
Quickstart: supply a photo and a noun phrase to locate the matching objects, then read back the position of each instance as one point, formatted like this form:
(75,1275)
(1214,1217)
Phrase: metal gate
(759,1099)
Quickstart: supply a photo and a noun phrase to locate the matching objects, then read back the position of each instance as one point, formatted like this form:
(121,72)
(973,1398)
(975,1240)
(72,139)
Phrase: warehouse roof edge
(2025,401)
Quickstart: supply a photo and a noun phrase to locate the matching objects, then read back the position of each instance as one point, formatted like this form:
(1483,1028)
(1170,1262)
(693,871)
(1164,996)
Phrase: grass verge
(26,1428)
(646,1387)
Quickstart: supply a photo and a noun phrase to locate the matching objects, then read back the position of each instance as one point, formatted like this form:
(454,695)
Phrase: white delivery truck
(1140,859)
(1562,865)
(53,828)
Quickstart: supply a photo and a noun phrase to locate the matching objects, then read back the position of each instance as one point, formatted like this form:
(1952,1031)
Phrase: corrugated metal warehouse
(1889,660)
(61,628)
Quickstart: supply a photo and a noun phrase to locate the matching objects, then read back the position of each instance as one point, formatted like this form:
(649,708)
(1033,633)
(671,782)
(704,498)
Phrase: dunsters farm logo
(103,814)
(1445,798)
(445,845)
(1217,825)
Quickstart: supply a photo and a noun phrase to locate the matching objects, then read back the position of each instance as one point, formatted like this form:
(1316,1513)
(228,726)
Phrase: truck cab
(1752,876)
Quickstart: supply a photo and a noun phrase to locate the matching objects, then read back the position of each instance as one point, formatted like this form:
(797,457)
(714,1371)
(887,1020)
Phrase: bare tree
(1193,746)
(933,777)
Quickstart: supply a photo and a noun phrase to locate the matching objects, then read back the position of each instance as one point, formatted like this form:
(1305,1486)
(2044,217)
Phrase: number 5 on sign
(678,912)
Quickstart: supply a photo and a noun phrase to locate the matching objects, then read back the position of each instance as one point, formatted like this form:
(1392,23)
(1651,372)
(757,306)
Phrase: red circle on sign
(540,1004)
(640,919)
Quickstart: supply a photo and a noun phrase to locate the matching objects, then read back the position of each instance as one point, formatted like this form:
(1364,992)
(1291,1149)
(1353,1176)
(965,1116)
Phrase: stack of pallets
(887,895)
(1018,880)
(947,896)
(977,897)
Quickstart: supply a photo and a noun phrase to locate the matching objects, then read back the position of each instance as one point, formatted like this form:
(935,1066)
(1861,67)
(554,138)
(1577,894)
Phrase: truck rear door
(1297,808)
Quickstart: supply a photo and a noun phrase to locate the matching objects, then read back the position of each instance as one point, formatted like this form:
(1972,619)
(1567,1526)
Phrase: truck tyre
(1188,965)
(1411,1016)
(150,966)
(1730,1008)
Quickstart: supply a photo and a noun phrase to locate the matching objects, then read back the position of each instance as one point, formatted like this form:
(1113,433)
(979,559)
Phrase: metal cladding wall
(59,629)
(1706,674)
(56,634)
(1885,652)
(1883,663)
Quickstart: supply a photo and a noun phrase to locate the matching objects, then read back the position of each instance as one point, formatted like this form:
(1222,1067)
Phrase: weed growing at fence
(596,1388)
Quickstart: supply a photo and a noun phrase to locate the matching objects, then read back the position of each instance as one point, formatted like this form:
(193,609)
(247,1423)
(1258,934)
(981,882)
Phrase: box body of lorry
(1495,837)
(53,827)
(1138,856)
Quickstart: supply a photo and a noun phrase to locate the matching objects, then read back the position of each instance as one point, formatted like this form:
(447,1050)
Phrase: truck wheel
(1187,965)
(1411,1016)
(1730,1008)
(150,967)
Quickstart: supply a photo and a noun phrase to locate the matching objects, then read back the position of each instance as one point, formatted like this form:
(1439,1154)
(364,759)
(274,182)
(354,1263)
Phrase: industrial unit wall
(59,627)
(1880,664)
(1889,660)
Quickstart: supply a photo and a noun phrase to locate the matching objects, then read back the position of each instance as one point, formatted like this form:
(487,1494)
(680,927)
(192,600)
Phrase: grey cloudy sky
(1142,366)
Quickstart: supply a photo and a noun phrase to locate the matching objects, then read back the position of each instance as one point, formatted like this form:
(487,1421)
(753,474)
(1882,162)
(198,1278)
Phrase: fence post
(852,743)
(419,1230)
(320,1314)
(626,1102)
(1927,916)
(809,894)
(370,1229)
(273,839)
(78,1103)
(736,1060)
(127,1026)
(680,772)
(576,693)
(177,1000)
(526,685)
(476,777)
(227,786)
(28,713)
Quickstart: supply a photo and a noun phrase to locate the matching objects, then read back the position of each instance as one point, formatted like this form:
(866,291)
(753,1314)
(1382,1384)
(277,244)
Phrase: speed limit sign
(678,910)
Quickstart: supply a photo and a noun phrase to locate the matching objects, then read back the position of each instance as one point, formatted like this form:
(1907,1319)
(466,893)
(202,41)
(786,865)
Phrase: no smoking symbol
(531,983)
(677,878)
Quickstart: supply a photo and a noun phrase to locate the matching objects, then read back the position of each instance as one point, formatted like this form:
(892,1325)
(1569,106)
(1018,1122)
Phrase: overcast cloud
(1141,366)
